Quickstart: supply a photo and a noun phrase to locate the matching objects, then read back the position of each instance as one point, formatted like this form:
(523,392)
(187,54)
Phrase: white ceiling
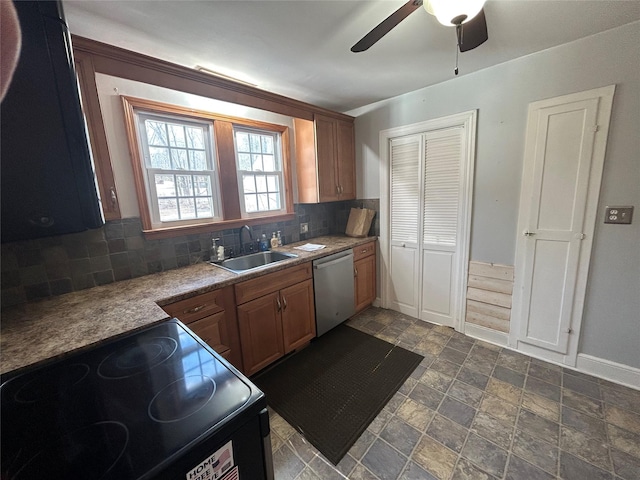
(300,48)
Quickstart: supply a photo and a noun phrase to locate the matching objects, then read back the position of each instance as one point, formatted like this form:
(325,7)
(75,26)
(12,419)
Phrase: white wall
(611,327)
(110,89)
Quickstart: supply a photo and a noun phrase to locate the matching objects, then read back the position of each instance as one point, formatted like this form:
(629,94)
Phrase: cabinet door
(298,315)
(326,151)
(346,161)
(213,330)
(365,282)
(260,332)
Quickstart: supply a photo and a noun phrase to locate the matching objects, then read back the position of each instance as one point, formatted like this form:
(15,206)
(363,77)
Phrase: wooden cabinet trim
(271,282)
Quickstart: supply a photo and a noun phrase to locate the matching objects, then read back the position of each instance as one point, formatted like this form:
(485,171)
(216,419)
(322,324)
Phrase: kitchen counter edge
(37,333)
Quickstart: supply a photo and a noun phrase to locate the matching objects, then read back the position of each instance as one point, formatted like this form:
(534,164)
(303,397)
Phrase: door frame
(468,121)
(605,103)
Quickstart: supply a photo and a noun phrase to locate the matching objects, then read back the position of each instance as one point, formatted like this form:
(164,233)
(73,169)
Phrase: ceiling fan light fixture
(453,12)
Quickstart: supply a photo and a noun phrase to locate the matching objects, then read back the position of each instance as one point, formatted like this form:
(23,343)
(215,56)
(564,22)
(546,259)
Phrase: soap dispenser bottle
(274,240)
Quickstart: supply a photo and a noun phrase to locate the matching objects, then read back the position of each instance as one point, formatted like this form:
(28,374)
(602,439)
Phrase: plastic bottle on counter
(274,240)
(279,237)
(264,244)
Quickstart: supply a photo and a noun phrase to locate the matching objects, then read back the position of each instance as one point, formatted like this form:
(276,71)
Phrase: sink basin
(254,261)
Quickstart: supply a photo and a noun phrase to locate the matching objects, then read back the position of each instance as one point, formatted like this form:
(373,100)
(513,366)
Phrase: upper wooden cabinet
(325,159)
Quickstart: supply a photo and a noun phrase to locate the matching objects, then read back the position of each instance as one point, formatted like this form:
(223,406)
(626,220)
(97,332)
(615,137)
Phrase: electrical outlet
(304,228)
(618,215)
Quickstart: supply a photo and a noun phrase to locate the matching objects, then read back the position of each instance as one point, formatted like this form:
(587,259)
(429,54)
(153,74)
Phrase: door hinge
(595,128)
(569,331)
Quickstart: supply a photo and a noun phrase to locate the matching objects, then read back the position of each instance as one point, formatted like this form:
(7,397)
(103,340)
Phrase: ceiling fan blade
(386,25)
(474,32)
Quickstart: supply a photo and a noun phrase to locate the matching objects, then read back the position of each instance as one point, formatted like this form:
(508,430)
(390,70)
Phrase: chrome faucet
(248,229)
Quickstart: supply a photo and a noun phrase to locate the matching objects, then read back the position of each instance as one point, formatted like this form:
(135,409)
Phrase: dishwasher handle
(319,265)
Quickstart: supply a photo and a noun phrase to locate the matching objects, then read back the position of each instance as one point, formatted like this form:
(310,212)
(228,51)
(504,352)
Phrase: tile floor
(472,410)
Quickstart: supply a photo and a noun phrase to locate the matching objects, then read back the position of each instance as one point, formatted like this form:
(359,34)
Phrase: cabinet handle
(284,301)
(341,189)
(195,309)
(355,272)
(278,303)
(364,250)
(337,189)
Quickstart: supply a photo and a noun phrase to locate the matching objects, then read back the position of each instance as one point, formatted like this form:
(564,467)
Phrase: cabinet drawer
(197,307)
(212,330)
(365,250)
(271,282)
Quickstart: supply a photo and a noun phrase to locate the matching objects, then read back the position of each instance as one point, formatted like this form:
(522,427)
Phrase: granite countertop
(35,333)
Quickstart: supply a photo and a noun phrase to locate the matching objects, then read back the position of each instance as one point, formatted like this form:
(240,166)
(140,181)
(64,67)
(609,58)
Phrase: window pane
(256,163)
(204,207)
(254,139)
(165,186)
(187,208)
(159,158)
(242,141)
(195,137)
(179,159)
(244,161)
(168,209)
(184,185)
(197,160)
(202,185)
(263,201)
(269,163)
(274,201)
(176,136)
(272,183)
(248,184)
(267,144)
(261,183)
(250,203)
(156,133)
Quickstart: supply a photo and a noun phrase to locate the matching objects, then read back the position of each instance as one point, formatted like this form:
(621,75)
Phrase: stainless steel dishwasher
(334,290)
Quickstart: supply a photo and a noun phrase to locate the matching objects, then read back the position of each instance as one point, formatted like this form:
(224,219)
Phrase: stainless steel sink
(254,261)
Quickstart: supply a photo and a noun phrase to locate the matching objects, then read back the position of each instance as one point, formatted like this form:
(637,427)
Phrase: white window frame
(279,160)
(150,172)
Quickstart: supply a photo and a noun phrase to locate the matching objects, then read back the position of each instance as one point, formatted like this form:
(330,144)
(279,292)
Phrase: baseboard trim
(486,334)
(608,370)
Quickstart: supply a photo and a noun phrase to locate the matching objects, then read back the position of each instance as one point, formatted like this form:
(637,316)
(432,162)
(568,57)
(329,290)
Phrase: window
(180,177)
(259,170)
(194,170)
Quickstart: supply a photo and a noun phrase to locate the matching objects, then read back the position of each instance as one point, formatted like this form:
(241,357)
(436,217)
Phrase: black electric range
(156,404)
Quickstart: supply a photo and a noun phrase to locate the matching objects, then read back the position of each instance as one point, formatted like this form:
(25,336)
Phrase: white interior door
(564,155)
(425,240)
(405,156)
(443,158)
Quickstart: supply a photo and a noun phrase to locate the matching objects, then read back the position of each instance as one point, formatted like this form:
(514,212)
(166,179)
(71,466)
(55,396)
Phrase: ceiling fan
(466,15)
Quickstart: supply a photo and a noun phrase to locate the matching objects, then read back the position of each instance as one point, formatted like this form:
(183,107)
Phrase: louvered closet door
(443,156)
(405,194)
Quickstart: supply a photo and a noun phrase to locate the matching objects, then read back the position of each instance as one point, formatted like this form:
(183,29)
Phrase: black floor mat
(334,388)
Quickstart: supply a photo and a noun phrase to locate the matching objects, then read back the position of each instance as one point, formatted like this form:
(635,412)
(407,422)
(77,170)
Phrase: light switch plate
(620,215)
(304,228)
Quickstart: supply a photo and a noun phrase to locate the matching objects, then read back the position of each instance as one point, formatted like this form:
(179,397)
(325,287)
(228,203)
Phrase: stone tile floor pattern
(473,410)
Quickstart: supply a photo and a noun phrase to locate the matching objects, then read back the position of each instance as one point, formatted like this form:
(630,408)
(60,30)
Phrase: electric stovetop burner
(55,383)
(136,358)
(96,449)
(118,411)
(182,398)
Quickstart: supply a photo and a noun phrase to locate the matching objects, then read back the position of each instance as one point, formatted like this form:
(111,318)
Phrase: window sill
(171,232)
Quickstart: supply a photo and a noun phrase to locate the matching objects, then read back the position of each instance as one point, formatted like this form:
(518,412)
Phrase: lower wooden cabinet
(212,316)
(364,275)
(277,323)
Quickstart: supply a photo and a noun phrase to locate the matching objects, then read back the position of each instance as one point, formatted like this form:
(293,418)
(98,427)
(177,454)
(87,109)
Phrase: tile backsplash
(51,266)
